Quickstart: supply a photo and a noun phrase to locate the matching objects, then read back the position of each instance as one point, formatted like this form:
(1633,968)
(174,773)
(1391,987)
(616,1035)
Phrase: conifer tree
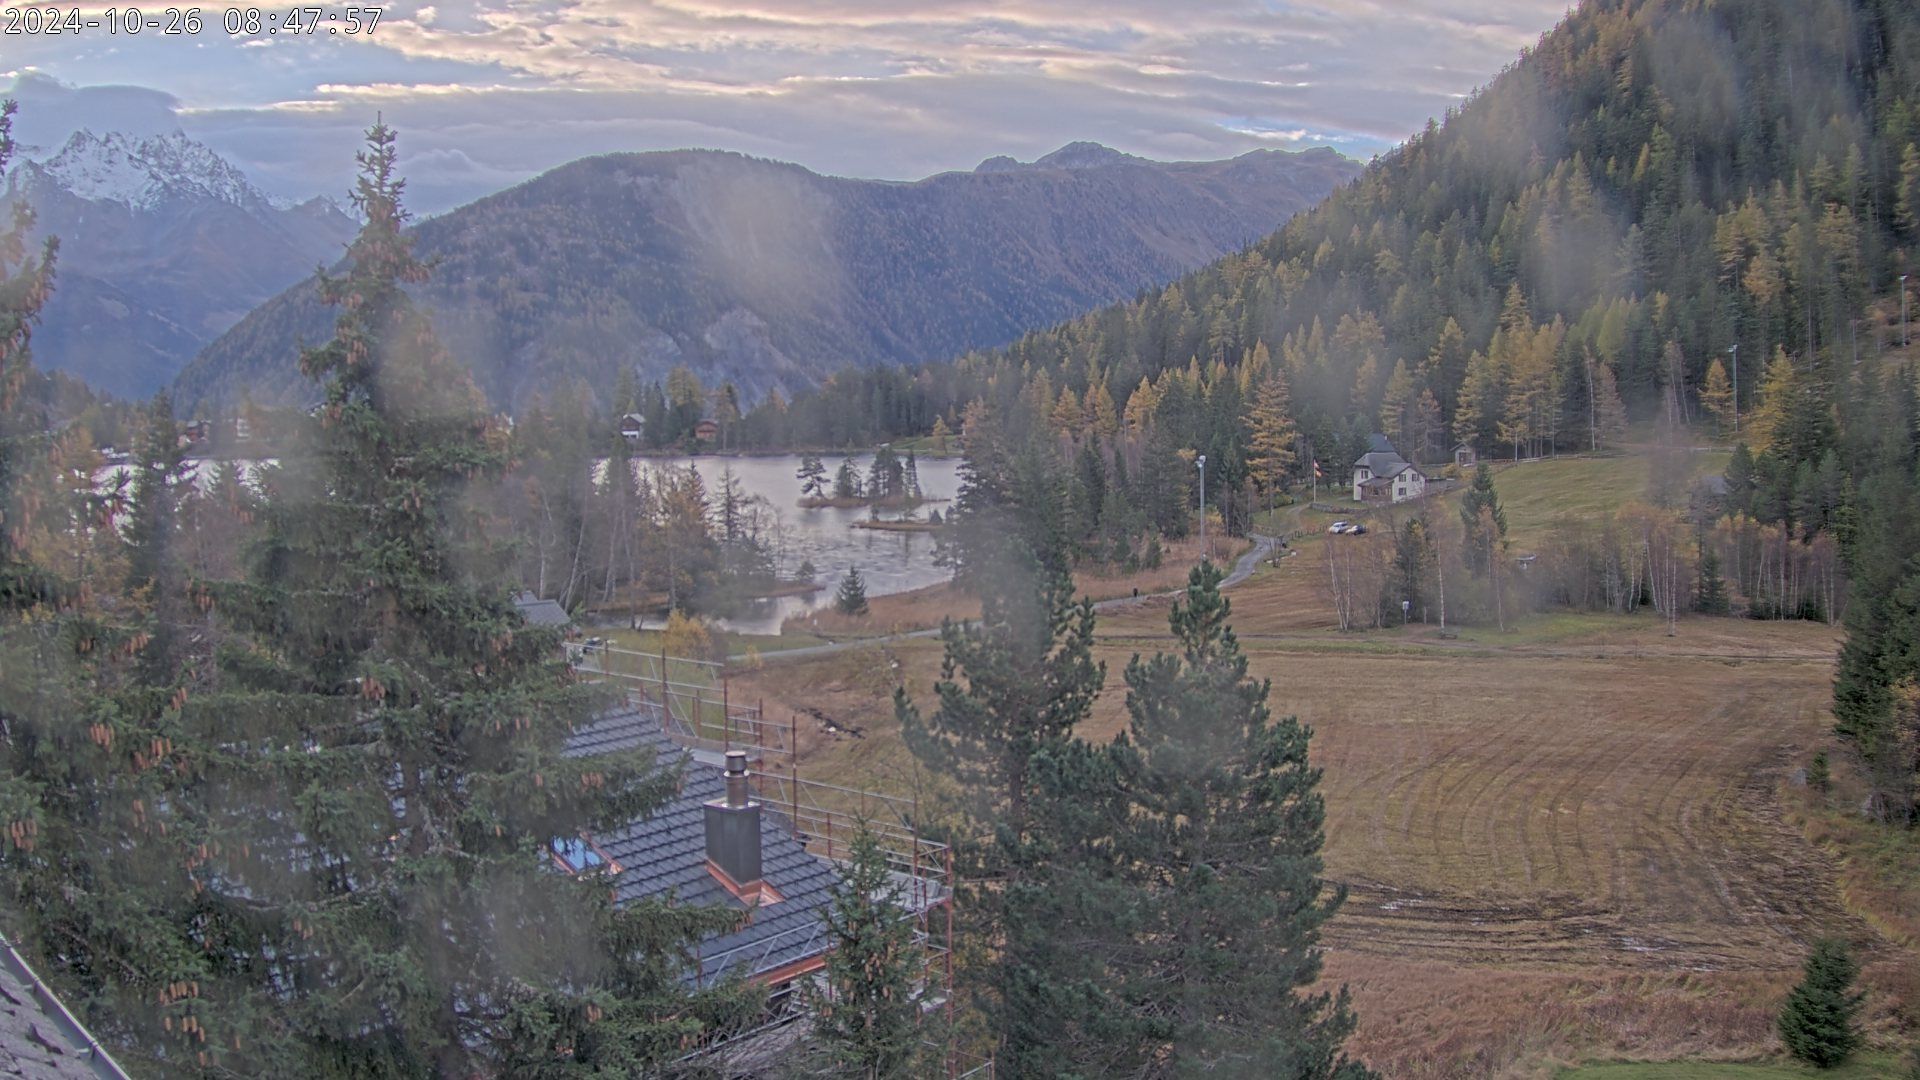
(846,481)
(375,869)
(1609,416)
(1710,591)
(1716,396)
(867,1021)
(1013,686)
(1397,404)
(1221,848)
(1817,1022)
(1480,510)
(812,476)
(1271,435)
(851,597)
(26,281)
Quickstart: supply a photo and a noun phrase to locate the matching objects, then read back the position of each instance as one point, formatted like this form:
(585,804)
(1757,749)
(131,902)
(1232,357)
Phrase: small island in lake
(892,482)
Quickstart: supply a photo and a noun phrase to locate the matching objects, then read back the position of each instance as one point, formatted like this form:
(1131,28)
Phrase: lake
(891,562)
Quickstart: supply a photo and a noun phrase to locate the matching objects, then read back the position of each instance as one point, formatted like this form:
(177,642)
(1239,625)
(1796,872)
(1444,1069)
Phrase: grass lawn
(1537,493)
(1875,1066)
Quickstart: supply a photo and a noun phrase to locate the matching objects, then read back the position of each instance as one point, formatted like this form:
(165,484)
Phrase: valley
(1578,840)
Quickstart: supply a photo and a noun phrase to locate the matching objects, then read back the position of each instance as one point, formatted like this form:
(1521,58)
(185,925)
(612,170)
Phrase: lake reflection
(891,562)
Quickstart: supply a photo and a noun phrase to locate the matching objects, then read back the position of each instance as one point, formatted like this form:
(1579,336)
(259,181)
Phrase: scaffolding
(694,702)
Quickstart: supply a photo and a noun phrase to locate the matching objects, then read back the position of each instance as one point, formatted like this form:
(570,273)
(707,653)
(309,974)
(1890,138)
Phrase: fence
(692,698)
(694,702)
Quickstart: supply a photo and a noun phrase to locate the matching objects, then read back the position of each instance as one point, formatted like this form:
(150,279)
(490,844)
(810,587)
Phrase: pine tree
(1609,416)
(846,481)
(1013,686)
(162,481)
(1482,392)
(867,1016)
(1710,590)
(941,433)
(390,773)
(26,282)
(1397,404)
(812,476)
(1271,435)
(1716,396)
(1221,848)
(1817,1022)
(1480,511)
(851,598)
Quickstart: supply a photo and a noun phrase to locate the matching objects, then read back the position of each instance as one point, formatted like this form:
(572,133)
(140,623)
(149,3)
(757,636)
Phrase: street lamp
(1201,461)
(1734,351)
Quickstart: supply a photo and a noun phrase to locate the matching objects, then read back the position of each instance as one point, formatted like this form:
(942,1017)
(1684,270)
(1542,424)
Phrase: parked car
(1356,529)
(1338,527)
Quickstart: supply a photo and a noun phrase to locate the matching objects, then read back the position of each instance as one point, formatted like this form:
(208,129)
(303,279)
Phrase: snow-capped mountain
(145,174)
(164,244)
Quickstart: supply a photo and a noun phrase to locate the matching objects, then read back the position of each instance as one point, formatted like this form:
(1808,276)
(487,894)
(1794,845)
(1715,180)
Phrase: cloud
(887,88)
(50,110)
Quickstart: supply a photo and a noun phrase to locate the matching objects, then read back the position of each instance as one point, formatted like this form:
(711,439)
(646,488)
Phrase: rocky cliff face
(771,276)
(164,245)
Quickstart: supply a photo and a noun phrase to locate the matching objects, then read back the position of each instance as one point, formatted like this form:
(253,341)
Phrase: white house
(1383,476)
(633,428)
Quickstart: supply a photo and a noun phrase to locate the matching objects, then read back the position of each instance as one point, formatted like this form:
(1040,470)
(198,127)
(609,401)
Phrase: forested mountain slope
(1653,172)
(770,276)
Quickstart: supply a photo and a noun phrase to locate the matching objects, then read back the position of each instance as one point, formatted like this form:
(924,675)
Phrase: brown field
(923,608)
(1581,839)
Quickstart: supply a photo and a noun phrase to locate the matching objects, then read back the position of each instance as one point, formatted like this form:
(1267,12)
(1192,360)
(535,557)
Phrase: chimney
(733,832)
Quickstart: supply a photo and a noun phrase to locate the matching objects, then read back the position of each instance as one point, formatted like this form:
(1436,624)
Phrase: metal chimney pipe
(736,778)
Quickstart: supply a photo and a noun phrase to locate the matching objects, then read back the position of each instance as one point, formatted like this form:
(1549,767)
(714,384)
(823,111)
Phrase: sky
(486,94)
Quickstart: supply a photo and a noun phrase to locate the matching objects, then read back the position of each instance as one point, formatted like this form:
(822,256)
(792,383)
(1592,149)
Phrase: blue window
(576,853)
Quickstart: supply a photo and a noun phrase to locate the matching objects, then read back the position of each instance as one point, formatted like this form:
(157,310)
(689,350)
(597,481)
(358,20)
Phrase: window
(578,854)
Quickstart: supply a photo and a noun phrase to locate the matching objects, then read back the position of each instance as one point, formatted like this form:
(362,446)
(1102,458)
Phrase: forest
(282,763)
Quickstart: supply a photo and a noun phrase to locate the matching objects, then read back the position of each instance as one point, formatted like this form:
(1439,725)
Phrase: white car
(1339,527)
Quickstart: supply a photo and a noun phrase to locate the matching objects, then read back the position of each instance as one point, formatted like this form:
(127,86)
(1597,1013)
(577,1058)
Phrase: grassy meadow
(1581,840)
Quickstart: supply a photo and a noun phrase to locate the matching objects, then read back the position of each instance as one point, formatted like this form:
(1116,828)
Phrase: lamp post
(1201,461)
(1734,351)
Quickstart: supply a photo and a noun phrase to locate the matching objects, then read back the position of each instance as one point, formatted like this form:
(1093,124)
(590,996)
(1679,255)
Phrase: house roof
(540,612)
(39,1038)
(665,855)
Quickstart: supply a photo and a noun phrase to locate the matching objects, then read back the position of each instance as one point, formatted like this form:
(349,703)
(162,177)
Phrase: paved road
(1242,570)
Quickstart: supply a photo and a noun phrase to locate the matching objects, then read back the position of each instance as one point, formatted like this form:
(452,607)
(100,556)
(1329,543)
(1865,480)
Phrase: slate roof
(666,854)
(1381,459)
(540,612)
(39,1038)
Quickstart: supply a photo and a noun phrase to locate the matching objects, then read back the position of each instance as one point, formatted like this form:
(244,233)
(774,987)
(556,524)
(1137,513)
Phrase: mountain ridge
(164,245)
(771,276)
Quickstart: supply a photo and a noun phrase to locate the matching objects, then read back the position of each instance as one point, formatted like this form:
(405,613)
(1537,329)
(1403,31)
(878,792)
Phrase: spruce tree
(26,281)
(1013,686)
(851,597)
(1222,850)
(867,1016)
(1479,506)
(1817,1021)
(375,826)
(1710,592)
